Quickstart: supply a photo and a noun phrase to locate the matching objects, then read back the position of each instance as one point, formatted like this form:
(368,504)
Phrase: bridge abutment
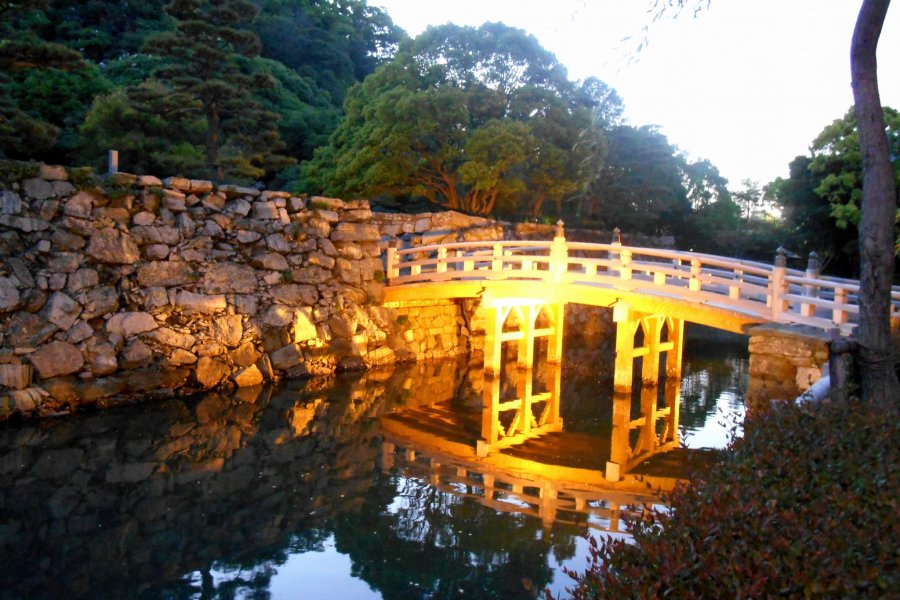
(785,360)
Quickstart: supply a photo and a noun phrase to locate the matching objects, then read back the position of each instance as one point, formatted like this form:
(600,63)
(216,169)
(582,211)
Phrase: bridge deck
(721,292)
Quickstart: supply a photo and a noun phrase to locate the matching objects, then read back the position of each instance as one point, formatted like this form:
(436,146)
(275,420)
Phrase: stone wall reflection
(124,499)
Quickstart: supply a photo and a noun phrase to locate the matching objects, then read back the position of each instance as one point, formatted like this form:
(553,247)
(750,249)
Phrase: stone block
(80,206)
(295,294)
(98,301)
(286,357)
(128,324)
(228,330)
(248,237)
(244,355)
(355,232)
(270,261)
(64,262)
(149,181)
(135,355)
(53,173)
(247,376)
(56,358)
(114,247)
(235,191)
(265,210)
(210,372)
(24,224)
(62,311)
(165,274)
(10,299)
(15,376)
(38,189)
(326,203)
(10,203)
(229,277)
(200,303)
(170,337)
(179,357)
(181,184)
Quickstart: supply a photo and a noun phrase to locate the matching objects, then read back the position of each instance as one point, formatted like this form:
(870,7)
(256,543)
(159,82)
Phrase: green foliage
(59,97)
(203,77)
(61,60)
(803,506)
(17,170)
(820,198)
(473,119)
(147,140)
(836,159)
(641,188)
(333,45)
(83,177)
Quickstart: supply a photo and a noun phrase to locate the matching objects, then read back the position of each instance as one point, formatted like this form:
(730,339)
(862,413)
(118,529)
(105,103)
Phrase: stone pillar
(785,360)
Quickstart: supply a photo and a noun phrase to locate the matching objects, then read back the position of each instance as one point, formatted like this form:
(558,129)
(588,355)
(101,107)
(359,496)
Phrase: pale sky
(747,84)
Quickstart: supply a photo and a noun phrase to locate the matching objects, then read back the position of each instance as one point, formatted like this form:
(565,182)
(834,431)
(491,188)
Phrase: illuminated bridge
(525,285)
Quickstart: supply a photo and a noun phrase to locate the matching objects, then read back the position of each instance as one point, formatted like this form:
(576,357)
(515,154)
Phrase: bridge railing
(769,292)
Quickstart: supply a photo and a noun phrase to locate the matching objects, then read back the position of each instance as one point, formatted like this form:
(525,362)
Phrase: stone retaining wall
(133,286)
(124,287)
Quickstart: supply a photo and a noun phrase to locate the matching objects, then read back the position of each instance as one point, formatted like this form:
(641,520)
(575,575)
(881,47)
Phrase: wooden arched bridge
(525,285)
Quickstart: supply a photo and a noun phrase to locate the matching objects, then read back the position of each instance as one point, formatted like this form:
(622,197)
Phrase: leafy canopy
(472,119)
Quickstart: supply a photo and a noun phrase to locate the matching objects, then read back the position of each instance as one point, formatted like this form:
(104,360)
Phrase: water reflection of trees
(711,369)
(459,547)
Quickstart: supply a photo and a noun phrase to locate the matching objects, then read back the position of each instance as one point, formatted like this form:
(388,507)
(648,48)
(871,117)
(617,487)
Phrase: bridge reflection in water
(237,495)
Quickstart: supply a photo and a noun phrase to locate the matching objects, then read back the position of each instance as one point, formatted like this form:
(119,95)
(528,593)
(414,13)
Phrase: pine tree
(206,77)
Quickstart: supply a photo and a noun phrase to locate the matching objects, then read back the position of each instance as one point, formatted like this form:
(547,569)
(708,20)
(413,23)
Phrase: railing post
(497,256)
(615,241)
(625,269)
(559,253)
(392,268)
(810,290)
(694,283)
(777,284)
(839,315)
(734,291)
(442,260)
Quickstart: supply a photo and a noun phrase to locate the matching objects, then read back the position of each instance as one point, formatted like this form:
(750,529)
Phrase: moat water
(296,492)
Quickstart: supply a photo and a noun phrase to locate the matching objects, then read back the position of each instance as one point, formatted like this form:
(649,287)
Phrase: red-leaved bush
(804,505)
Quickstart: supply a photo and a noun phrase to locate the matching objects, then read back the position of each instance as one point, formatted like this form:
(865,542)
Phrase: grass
(804,505)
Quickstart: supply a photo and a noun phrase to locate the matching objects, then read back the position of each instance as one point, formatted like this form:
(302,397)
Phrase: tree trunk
(879,205)
(538,205)
(213,137)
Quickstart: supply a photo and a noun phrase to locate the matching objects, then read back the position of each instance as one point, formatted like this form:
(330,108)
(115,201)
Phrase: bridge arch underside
(700,312)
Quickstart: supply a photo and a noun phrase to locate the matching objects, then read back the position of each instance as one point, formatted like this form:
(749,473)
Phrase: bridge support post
(661,334)
(525,315)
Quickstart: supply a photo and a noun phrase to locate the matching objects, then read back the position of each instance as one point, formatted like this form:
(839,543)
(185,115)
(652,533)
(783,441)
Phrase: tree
(472,119)
(838,161)
(878,203)
(879,206)
(809,221)
(24,131)
(335,44)
(642,186)
(204,77)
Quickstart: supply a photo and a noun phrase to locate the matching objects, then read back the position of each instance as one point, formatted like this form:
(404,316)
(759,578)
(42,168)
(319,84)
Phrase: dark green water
(285,493)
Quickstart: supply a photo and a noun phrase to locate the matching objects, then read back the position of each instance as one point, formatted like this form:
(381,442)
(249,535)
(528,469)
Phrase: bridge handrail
(770,292)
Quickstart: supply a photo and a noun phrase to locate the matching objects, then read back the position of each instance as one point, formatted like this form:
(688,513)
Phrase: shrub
(805,505)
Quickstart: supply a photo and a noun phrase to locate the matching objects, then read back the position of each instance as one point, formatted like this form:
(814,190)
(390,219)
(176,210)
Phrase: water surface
(296,492)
